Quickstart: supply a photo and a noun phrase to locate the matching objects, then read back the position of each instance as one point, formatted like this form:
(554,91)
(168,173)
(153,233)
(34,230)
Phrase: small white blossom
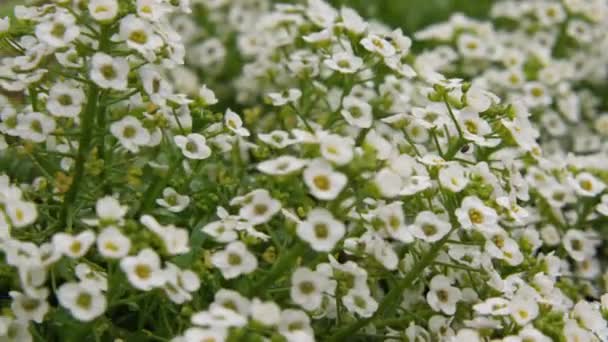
(193,146)
(112,243)
(453,177)
(344,62)
(103,10)
(307,288)
(234,260)
(474,214)
(173,201)
(74,246)
(143,270)
(84,303)
(323,182)
(442,296)
(321,230)
(234,123)
(429,227)
(109,72)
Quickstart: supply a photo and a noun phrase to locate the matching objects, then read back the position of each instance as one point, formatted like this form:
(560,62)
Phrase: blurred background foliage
(410,15)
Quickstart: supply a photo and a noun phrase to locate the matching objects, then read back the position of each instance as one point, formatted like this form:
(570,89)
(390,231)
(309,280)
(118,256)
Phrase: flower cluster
(368,192)
(214,52)
(551,54)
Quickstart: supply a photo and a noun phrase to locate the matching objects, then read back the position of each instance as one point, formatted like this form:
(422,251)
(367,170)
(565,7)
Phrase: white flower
(474,214)
(357,112)
(113,244)
(495,306)
(360,302)
(388,182)
(321,230)
(336,149)
(296,323)
(536,94)
(440,326)
(257,206)
(523,310)
(500,245)
(152,10)
(471,46)
(90,278)
(143,270)
(379,45)
(602,207)
(109,72)
(131,133)
(21,213)
(207,95)
(287,96)
(573,332)
(578,245)
(589,316)
(65,100)
(475,129)
(277,139)
(268,313)
(323,182)
(103,10)
(234,260)
(74,246)
(453,177)
(429,227)
(157,88)
(529,333)
(225,229)
(84,303)
(28,308)
(478,99)
(58,30)
(307,288)
(193,146)
(442,296)
(587,185)
(173,201)
(344,63)
(550,235)
(139,35)
(393,221)
(35,126)
(219,316)
(176,240)
(468,335)
(352,21)
(321,13)
(109,211)
(232,300)
(234,123)
(205,334)
(521,129)
(281,166)
(180,283)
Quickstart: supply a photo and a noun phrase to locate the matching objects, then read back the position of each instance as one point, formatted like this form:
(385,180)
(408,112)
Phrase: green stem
(285,262)
(454,148)
(101,147)
(452,116)
(86,118)
(393,298)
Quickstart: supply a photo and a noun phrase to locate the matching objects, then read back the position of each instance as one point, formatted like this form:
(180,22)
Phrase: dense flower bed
(363,186)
